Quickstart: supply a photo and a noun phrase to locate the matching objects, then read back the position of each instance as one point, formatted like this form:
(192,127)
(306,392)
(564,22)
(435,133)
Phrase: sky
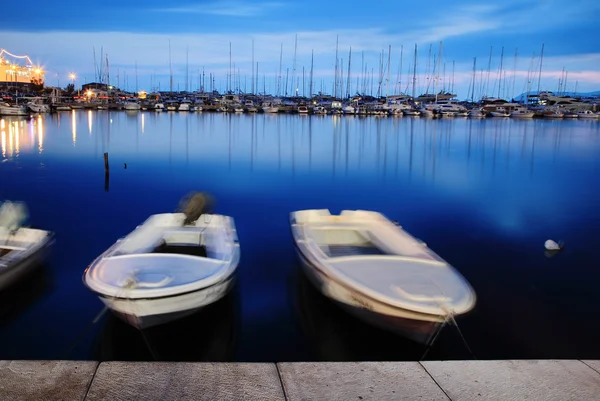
(193,39)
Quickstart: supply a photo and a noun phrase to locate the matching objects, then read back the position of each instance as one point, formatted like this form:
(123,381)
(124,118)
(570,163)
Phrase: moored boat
(587,114)
(13,110)
(22,249)
(169,267)
(379,272)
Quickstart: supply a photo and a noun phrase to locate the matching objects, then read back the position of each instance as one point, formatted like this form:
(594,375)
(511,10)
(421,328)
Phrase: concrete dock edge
(430,380)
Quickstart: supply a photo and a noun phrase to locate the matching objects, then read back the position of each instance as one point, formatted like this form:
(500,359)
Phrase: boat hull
(22,268)
(418,327)
(148,312)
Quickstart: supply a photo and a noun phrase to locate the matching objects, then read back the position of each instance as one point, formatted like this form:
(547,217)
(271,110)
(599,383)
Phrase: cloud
(226,8)
(211,52)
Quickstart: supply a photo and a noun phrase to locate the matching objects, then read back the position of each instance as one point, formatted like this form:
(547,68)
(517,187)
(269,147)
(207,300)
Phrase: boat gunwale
(351,285)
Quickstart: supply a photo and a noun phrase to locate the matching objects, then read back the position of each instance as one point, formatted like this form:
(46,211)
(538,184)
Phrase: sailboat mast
(452,87)
(514,73)
(349,63)
(438,71)
(487,84)
(474,75)
(280,65)
(399,77)
(387,84)
(107,71)
(428,70)
(310,84)
(252,86)
(540,74)
(294,89)
(187,69)
(170,70)
(136,77)
(335,76)
(414,74)
(500,72)
(229,81)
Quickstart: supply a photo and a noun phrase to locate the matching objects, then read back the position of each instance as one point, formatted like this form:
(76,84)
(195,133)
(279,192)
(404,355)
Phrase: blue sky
(62,37)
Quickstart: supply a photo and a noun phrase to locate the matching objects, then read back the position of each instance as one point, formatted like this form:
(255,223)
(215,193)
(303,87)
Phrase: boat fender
(551,245)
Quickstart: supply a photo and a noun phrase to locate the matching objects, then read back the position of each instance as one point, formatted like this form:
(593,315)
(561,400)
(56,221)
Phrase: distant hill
(522,96)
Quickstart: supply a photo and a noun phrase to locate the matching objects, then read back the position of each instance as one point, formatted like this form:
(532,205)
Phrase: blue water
(485,195)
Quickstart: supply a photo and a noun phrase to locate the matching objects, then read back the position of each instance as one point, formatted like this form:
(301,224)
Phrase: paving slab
(186,381)
(45,380)
(346,381)
(559,380)
(594,364)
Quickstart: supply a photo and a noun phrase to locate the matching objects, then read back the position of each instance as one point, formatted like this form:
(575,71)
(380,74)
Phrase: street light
(73,76)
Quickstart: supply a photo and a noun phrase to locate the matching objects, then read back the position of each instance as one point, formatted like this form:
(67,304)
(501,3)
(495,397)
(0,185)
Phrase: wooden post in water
(106,172)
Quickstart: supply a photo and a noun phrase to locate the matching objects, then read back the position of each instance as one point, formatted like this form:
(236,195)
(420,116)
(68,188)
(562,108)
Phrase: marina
(477,191)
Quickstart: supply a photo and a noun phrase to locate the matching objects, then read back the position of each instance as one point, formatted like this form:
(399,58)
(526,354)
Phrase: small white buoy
(553,245)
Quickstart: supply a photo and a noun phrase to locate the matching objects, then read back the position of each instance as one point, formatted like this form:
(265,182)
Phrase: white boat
(553,113)
(22,249)
(379,272)
(167,268)
(319,110)
(159,106)
(348,110)
(521,112)
(499,113)
(269,107)
(427,112)
(62,107)
(131,106)
(13,110)
(37,105)
(476,113)
(185,105)
(171,105)
(587,114)
(411,112)
(302,109)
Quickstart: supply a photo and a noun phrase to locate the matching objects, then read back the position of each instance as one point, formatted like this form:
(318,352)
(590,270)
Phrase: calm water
(485,195)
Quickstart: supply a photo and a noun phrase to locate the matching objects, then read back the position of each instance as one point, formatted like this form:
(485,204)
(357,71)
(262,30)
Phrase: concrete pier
(431,380)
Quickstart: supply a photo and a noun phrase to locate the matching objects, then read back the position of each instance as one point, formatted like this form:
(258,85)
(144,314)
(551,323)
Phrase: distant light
(37,71)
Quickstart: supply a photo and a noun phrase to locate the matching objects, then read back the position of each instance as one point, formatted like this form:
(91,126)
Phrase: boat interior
(14,243)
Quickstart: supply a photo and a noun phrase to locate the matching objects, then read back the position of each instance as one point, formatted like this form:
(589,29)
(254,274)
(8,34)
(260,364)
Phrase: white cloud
(226,8)
(211,51)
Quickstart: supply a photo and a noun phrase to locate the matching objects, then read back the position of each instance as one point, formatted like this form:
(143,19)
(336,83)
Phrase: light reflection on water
(484,194)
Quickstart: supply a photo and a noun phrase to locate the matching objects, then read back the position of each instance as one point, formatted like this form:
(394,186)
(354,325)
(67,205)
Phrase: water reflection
(74,126)
(20,296)
(208,335)
(18,134)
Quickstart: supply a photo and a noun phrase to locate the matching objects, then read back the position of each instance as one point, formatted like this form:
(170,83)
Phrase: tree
(70,88)
(37,84)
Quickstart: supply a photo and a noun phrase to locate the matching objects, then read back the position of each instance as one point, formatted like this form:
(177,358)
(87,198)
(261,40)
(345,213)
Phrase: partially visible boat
(411,112)
(169,267)
(13,110)
(522,112)
(22,249)
(587,114)
(37,105)
(379,272)
(131,106)
(477,113)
